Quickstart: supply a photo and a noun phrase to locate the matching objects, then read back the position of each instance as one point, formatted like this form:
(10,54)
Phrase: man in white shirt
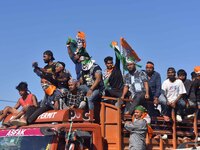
(173,89)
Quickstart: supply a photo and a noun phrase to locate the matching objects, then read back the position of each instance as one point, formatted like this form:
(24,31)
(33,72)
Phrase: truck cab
(53,130)
(88,130)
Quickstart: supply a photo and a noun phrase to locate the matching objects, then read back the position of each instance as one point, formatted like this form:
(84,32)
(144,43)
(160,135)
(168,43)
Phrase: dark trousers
(113,93)
(30,111)
(36,113)
(139,99)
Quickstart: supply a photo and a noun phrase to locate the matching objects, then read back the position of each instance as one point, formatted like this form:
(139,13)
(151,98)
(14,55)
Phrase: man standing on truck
(52,93)
(137,129)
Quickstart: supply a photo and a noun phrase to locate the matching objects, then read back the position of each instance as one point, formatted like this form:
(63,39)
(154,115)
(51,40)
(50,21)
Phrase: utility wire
(7,101)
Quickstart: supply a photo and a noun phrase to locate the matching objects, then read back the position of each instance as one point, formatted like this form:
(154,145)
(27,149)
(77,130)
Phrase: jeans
(166,109)
(94,97)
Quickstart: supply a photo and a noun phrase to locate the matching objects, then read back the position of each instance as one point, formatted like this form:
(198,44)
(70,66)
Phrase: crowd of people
(141,87)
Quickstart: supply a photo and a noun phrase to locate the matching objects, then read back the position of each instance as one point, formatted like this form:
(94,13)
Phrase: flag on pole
(119,54)
(115,46)
(128,52)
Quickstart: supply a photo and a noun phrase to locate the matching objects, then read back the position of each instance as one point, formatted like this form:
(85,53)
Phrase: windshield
(25,142)
(26,139)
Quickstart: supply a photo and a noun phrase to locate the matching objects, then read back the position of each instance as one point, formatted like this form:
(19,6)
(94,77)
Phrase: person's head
(108,62)
(72,84)
(149,68)
(48,56)
(197,71)
(171,74)
(130,64)
(22,87)
(86,61)
(81,43)
(60,67)
(193,75)
(182,75)
(139,110)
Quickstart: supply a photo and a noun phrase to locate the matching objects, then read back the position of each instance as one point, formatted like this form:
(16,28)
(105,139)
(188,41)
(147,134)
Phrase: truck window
(25,142)
(77,139)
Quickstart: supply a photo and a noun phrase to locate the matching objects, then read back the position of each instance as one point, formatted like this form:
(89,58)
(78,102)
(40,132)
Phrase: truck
(101,129)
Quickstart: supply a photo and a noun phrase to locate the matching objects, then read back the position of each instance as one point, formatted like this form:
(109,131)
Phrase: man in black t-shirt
(91,79)
(113,79)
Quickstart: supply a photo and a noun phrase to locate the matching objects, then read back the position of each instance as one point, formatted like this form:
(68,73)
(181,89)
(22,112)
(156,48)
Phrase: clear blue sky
(165,32)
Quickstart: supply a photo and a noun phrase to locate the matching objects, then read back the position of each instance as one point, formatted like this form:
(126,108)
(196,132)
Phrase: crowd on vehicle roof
(139,87)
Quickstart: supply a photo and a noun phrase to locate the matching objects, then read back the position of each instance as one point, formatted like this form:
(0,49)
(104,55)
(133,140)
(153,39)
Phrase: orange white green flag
(127,50)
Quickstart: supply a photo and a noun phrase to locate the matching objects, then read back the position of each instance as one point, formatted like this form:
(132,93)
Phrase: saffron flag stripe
(129,52)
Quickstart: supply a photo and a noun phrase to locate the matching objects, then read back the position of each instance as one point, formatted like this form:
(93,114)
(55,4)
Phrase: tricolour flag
(128,52)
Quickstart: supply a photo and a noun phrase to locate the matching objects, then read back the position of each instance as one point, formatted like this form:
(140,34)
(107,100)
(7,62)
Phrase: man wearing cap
(174,90)
(52,94)
(91,79)
(135,82)
(137,129)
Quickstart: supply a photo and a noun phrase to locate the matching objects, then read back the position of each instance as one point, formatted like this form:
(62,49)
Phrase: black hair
(150,62)
(22,86)
(62,63)
(108,58)
(49,53)
(85,54)
(181,72)
(172,69)
(193,74)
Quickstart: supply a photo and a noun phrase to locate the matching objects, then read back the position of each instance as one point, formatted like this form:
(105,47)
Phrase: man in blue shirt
(154,81)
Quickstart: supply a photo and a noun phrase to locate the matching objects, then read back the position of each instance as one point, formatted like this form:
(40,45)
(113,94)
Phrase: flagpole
(121,51)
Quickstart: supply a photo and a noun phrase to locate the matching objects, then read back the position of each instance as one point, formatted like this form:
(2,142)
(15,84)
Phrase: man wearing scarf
(154,81)
(113,79)
(135,82)
(91,79)
(137,129)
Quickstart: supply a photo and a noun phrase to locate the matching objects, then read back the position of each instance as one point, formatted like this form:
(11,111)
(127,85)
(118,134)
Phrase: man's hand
(146,96)
(172,104)
(35,64)
(69,42)
(156,101)
(89,93)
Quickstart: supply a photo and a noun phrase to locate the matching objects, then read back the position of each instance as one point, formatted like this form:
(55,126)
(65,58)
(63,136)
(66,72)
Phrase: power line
(7,101)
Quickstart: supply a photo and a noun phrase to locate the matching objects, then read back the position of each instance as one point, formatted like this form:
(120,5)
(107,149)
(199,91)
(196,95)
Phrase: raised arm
(117,61)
